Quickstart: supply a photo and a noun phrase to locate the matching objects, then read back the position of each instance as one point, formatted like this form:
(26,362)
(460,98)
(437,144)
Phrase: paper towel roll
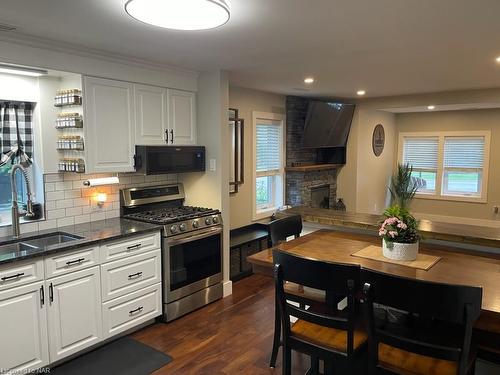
(101,181)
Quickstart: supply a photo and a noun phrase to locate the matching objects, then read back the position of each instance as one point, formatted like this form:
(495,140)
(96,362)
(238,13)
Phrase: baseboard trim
(227,288)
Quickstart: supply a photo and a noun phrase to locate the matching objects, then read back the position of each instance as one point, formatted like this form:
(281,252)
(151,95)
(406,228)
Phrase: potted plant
(399,232)
(403,186)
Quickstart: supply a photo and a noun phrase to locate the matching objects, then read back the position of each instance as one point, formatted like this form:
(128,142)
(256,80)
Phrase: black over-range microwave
(169,159)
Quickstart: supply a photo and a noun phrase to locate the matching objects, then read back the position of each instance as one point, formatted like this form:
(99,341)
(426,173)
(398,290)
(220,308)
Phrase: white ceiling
(387,47)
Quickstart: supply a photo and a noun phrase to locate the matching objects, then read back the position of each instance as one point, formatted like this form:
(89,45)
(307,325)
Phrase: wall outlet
(495,210)
(212,165)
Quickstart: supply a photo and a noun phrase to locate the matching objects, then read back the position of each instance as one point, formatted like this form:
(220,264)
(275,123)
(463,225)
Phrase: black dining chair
(321,331)
(284,227)
(426,328)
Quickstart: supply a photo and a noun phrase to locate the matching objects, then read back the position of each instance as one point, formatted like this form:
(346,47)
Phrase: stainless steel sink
(51,239)
(16,247)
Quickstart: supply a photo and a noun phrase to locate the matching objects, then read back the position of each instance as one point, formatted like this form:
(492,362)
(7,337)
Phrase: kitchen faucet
(16,212)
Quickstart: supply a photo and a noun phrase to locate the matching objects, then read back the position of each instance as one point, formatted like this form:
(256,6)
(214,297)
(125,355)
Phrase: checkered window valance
(16,133)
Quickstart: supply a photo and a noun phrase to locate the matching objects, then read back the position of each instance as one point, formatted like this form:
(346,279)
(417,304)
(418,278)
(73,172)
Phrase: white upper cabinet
(109,115)
(182,117)
(151,115)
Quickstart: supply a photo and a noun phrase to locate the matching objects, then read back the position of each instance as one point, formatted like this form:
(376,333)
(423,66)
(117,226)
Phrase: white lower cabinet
(74,313)
(23,329)
(47,316)
(130,310)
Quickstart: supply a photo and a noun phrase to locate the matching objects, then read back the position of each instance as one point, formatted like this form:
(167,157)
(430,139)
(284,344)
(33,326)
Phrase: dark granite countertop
(92,233)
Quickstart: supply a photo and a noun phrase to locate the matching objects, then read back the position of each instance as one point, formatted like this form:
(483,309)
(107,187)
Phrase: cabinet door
(74,313)
(109,125)
(182,117)
(23,329)
(151,115)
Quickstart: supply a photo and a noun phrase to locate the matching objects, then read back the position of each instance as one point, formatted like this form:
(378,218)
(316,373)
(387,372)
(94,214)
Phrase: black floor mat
(124,356)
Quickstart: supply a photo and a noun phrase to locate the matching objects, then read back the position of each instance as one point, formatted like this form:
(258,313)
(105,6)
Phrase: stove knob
(215,219)
(196,224)
(208,220)
(182,227)
(173,229)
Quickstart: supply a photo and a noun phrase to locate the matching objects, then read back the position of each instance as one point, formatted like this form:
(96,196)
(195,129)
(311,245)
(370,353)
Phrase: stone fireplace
(306,185)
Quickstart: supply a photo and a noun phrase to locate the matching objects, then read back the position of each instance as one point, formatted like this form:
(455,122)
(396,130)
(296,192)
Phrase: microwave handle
(137,161)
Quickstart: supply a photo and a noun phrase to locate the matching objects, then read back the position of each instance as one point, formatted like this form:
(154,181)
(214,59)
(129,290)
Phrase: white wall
(211,189)
(363,181)
(247,101)
(48,56)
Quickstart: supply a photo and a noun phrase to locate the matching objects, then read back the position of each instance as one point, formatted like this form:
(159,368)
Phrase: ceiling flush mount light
(361,92)
(180,14)
(309,80)
(21,70)
(431,107)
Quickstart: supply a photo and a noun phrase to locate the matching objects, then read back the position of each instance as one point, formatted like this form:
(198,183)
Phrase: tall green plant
(403,186)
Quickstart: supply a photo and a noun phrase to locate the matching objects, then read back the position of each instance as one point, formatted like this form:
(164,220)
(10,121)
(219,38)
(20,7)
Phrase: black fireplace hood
(327,124)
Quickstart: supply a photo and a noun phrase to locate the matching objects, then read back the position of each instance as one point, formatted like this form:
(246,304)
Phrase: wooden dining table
(456,266)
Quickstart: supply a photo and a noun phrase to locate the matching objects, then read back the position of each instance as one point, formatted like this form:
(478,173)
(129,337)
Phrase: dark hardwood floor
(230,336)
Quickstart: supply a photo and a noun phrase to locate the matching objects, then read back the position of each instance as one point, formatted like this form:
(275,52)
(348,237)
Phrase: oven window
(195,260)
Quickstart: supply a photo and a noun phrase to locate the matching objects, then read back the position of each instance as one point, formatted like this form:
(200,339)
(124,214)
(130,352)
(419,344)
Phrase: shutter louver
(421,152)
(464,153)
(268,148)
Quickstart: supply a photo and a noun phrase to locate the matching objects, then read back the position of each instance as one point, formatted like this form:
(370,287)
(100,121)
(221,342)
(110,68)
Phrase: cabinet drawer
(131,310)
(64,263)
(129,246)
(130,274)
(21,273)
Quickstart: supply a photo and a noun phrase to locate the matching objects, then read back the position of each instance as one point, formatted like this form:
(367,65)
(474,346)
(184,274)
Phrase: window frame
(439,193)
(278,187)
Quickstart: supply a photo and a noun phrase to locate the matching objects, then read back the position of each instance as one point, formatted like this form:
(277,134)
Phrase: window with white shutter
(268,163)
(448,165)
(422,154)
(463,165)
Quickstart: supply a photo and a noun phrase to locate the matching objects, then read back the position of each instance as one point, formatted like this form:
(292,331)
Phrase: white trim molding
(269,116)
(439,194)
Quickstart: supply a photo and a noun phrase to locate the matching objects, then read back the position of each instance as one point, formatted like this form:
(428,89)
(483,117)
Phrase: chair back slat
(428,299)
(436,320)
(330,277)
(340,279)
(284,227)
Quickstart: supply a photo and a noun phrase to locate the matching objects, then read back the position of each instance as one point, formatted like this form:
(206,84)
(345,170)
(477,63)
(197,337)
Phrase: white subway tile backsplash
(54,196)
(56,214)
(97,216)
(64,203)
(65,221)
(68,201)
(72,193)
(47,224)
(54,177)
(82,219)
(64,185)
(74,211)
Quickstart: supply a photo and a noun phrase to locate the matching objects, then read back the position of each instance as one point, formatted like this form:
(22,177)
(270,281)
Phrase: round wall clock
(378,140)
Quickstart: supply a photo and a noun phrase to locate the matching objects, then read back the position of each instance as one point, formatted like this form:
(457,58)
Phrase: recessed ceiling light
(21,70)
(431,107)
(498,59)
(361,92)
(309,80)
(180,14)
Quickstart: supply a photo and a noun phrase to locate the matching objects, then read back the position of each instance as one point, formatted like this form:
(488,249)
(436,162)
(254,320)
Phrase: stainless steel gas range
(191,245)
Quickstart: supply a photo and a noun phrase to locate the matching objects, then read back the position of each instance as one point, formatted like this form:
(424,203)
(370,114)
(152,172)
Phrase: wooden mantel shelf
(312,167)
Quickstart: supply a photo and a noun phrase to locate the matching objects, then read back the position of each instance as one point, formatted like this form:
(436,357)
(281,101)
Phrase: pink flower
(392,233)
(402,225)
(382,232)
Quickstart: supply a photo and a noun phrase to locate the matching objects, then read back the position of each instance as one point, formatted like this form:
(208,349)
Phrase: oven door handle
(193,237)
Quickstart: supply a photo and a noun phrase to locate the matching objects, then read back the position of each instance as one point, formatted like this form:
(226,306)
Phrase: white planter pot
(400,251)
